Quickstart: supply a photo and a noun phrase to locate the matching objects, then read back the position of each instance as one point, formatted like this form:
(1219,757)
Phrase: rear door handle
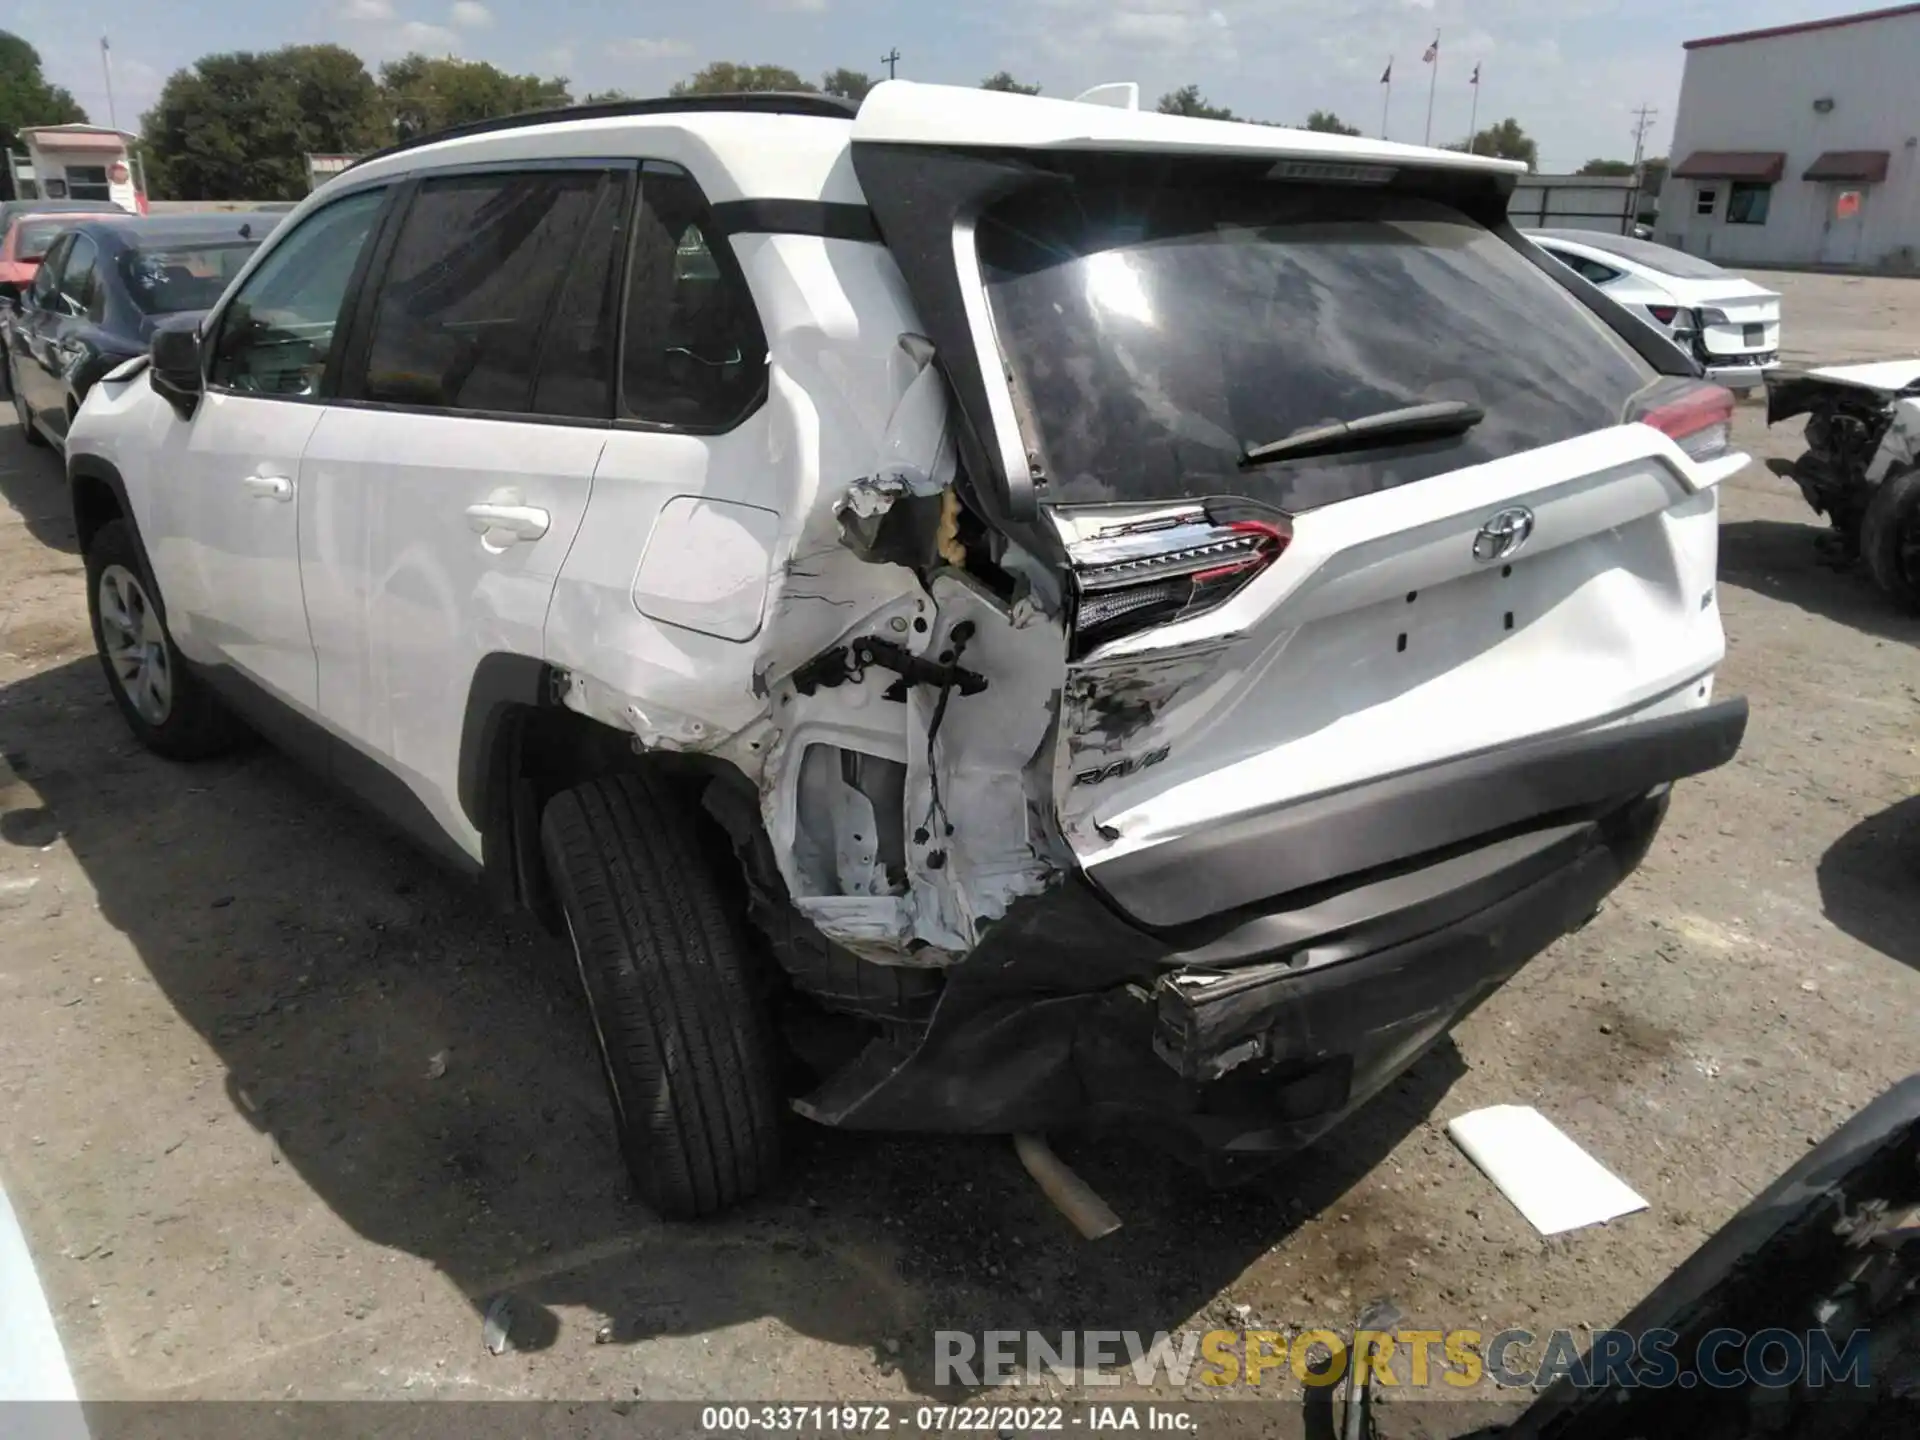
(507,523)
(269,487)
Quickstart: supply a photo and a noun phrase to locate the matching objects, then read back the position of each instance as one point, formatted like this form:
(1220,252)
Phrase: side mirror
(174,370)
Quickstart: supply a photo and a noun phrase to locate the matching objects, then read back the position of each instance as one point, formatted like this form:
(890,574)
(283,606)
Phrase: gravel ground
(283,1109)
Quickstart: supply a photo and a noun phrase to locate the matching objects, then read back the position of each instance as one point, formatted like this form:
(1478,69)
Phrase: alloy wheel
(136,644)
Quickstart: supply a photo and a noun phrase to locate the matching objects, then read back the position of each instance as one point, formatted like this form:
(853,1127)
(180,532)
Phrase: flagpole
(106,68)
(1473,116)
(1432,82)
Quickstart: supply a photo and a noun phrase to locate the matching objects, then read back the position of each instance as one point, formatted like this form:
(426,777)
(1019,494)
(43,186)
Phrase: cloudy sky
(1571,71)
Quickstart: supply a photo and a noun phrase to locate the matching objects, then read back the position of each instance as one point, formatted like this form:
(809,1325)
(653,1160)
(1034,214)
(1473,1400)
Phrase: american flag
(1476,74)
(1386,75)
(1433,51)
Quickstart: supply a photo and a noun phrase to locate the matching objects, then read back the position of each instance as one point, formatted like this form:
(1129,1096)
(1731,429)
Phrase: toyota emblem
(1503,535)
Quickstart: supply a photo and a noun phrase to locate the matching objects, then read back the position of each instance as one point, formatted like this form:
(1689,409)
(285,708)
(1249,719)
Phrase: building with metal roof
(1800,145)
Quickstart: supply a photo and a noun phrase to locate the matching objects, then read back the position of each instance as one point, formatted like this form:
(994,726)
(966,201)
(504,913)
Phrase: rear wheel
(164,702)
(1890,538)
(684,1045)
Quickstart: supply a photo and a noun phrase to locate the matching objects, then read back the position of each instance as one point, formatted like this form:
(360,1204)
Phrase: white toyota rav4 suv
(980,614)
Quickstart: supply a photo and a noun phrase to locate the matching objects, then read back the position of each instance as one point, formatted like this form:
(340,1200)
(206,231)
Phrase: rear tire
(684,1044)
(1890,538)
(163,702)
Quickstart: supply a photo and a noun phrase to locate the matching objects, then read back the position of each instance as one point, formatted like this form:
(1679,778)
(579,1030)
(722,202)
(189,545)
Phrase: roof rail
(757,102)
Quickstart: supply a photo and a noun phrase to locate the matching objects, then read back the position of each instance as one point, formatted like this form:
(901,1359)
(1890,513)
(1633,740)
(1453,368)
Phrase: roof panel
(905,112)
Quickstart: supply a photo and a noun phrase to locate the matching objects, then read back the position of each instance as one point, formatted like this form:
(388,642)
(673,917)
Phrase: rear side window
(1157,329)
(80,279)
(187,277)
(475,273)
(695,356)
(1592,270)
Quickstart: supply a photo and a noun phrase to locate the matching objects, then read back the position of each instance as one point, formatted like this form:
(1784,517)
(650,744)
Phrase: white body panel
(1377,643)
(224,537)
(406,596)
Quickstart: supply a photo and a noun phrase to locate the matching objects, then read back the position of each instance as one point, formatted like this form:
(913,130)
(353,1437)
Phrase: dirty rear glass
(1156,331)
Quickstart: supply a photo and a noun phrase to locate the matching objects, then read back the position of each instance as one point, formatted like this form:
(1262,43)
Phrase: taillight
(1698,416)
(1665,314)
(1134,575)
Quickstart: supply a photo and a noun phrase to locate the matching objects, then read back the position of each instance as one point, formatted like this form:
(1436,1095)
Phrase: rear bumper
(1251,1035)
(1392,820)
(1741,374)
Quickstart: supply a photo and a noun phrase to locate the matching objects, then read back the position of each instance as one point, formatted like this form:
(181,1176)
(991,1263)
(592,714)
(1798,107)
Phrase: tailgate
(1739,320)
(1388,639)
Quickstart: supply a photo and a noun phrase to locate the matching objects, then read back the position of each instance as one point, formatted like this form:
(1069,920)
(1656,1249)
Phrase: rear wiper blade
(1412,422)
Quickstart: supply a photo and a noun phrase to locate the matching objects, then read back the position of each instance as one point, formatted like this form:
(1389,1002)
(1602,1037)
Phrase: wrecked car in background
(1861,468)
(1008,551)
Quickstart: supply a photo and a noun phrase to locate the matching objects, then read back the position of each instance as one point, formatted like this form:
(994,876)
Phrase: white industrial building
(1800,145)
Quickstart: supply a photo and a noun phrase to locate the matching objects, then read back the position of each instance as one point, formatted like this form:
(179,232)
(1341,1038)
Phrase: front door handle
(270,487)
(503,524)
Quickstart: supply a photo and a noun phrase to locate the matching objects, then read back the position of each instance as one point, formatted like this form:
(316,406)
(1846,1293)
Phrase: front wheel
(166,704)
(1890,538)
(684,1044)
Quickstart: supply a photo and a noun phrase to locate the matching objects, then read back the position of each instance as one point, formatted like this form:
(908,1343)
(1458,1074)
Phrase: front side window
(475,273)
(1704,199)
(78,282)
(276,335)
(1747,203)
(1158,325)
(46,279)
(696,356)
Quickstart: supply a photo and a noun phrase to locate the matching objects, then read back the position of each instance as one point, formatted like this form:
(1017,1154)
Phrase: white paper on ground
(1549,1179)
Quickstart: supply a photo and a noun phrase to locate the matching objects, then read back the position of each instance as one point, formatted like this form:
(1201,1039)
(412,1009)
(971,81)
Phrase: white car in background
(1729,324)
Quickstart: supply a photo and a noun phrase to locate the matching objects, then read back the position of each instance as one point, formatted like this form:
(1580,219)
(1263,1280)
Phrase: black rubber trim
(502,684)
(92,467)
(365,778)
(829,220)
(1381,822)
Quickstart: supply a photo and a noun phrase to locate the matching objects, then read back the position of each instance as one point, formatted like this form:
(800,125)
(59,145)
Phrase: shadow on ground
(1870,882)
(33,482)
(327,966)
(1783,561)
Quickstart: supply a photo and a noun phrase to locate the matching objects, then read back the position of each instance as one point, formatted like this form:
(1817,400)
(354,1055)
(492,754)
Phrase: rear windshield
(35,236)
(1156,332)
(183,277)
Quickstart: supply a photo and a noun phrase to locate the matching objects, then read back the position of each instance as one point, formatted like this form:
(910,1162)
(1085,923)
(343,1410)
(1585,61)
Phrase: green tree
(26,99)
(1188,100)
(723,77)
(1613,169)
(1505,141)
(425,94)
(240,126)
(1002,80)
(848,84)
(1328,123)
